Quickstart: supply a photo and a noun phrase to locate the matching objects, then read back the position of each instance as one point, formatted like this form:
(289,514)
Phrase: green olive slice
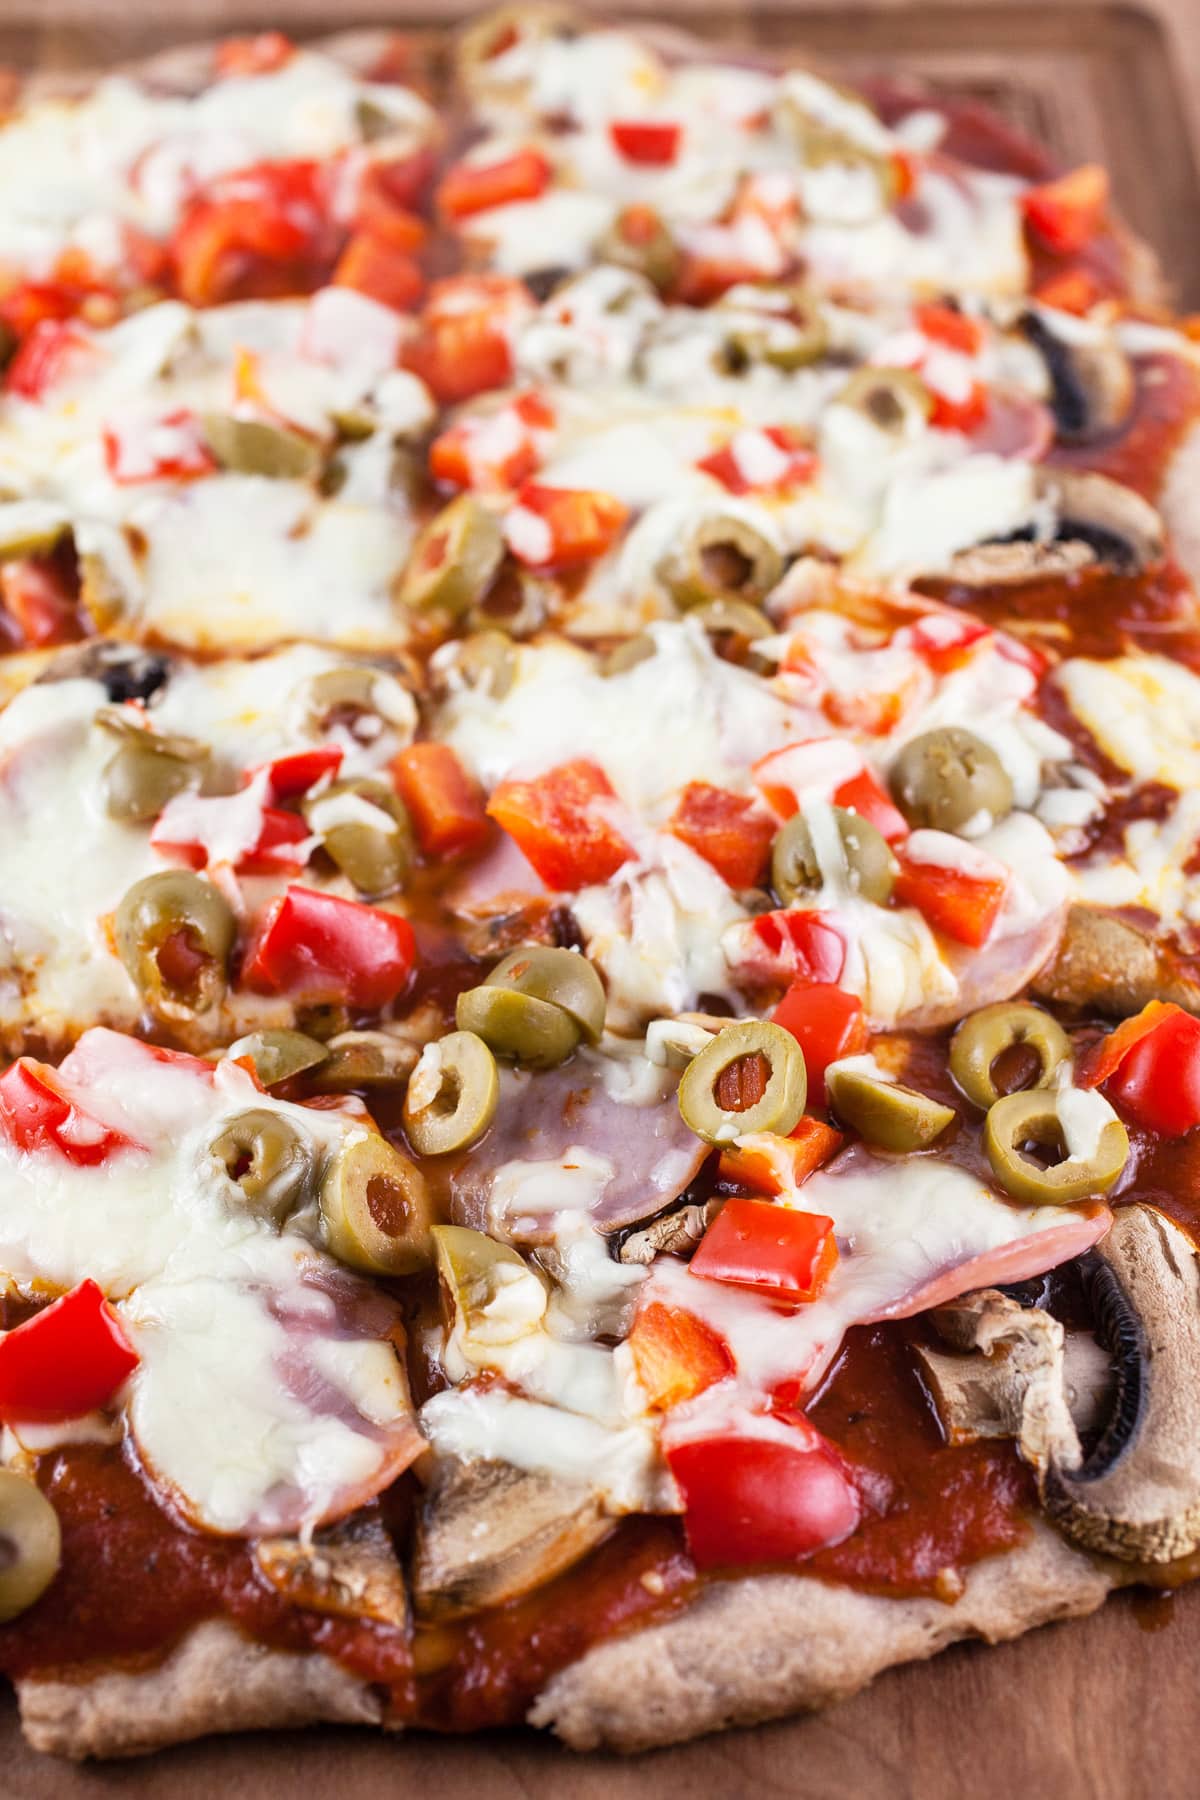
(946,778)
(463,1102)
(268,1162)
(364,827)
(500,27)
(720,558)
(487,662)
(789,336)
(138,782)
(987,1034)
(278,1055)
(375,1209)
(174,934)
(518,1027)
(350,693)
(494,1295)
(628,654)
(733,619)
(365,1059)
(256,447)
(639,239)
(30,1544)
(563,977)
(1033,1117)
(455,558)
(895,1118)
(779,1106)
(895,401)
(869,863)
(518,603)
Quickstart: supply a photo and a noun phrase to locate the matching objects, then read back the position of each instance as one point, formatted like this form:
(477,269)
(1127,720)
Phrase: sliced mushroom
(350,1570)
(488,1532)
(1014,561)
(673,1233)
(1104,963)
(1136,1494)
(1120,526)
(1091,380)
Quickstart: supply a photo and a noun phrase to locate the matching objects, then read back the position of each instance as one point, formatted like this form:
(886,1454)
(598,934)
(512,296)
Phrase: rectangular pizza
(599,890)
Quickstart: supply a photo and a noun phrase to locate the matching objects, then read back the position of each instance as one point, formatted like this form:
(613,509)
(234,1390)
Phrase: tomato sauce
(1093,612)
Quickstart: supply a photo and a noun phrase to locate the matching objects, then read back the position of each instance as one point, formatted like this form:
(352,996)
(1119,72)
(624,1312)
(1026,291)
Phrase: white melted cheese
(255,1401)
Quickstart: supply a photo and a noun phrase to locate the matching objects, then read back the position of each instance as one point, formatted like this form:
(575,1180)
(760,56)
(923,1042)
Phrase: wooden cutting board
(1098,1709)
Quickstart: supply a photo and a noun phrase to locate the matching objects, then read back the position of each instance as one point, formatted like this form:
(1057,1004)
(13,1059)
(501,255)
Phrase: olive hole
(1044,1150)
(884,408)
(388,1206)
(725,566)
(742,1083)
(181,961)
(1017,1067)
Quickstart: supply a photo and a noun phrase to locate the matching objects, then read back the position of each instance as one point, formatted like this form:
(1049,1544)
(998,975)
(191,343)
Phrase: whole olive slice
(641,240)
(720,557)
(370,1059)
(465,1092)
(895,1118)
(988,1033)
(278,1055)
(1033,1117)
(945,778)
(895,401)
(779,1106)
(494,1295)
(256,447)
(869,863)
(267,1160)
(519,1027)
(174,934)
(352,695)
(364,827)
(30,1544)
(375,1209)
(455,558)
(564,977)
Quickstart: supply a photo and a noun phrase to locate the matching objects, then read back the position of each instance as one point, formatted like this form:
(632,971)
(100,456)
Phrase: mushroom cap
(1104,963)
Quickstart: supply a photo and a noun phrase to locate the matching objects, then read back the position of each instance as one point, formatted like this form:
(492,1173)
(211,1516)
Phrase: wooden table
(1098,1709)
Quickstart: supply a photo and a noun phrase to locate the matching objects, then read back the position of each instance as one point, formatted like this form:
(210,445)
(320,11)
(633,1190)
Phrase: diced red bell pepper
(676,1355)
(827,1023)
(726,829)
(324,949)
(372,266)
(947,326)
(47,355)
(772,1492)
(255,233)
(496,451)
(946,643)
(470,188)
(785,462)
(445,804)
(195,831)
(261,54)
(964,412)
(1070,290)
(37,596)
(65,1361)
(654,142)
(1150,1067)
(559,821)
(562,528)
(864,795)
(1066,214)
(172,448)
(462,346)
(294,774)
(963,906)
(771,1164)
(804,945)
(774,1250)
(35,1114)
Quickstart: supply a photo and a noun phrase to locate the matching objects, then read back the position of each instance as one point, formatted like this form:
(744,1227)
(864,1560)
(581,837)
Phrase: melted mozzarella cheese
(255,1401)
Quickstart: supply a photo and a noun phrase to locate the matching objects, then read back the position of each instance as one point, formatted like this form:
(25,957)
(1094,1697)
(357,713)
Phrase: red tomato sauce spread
(134,1579)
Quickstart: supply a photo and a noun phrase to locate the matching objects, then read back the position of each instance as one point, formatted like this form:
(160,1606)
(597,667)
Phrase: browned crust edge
(215,1680)
(761,1648)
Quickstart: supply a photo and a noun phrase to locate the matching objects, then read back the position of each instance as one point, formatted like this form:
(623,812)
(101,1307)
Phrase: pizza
(599,930)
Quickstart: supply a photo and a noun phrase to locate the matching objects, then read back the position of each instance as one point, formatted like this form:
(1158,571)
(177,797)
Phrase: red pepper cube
(774,1250)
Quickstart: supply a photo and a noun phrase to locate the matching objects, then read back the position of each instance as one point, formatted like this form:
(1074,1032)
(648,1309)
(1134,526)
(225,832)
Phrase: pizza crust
(215,1680)
(761,1648)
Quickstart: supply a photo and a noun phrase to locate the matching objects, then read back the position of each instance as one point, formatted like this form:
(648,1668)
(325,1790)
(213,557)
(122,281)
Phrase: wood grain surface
(1100,1709)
